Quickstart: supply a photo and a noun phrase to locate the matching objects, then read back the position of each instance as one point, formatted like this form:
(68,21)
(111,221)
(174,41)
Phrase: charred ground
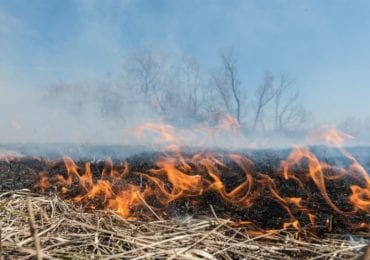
(266,212)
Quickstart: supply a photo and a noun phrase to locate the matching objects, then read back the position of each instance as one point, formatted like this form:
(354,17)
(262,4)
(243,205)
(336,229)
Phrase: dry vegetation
(39,226)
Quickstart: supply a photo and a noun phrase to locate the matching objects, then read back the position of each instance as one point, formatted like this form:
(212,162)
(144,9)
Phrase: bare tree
(190,77)
(222,91)
(288,112)
(228,86)
(229,63)
(146,72)
(285,98)
(264,95)
(171,87)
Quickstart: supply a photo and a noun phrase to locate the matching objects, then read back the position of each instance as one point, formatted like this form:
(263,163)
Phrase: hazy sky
(323,45)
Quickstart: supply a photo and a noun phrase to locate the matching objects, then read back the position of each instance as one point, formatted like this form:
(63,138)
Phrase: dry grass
(48,228)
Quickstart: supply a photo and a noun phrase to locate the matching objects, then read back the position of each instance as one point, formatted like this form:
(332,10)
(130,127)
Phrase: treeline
(154,85)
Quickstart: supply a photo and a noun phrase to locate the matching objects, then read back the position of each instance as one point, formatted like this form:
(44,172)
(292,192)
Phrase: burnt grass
(266,212)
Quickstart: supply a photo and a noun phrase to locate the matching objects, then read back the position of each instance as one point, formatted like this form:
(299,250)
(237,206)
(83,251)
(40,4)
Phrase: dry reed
(66,232)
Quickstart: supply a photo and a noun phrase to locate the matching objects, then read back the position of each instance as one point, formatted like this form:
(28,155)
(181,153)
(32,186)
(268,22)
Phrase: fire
(228,123)
(294,224)
(165,133)
(329,135)
(126,200)
(360,198)
(315,171)
(183,184)
(43,183)
(183,178)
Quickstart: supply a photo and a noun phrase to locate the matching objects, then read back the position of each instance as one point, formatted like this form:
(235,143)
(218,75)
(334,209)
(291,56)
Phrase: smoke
(81,74)
(110,112)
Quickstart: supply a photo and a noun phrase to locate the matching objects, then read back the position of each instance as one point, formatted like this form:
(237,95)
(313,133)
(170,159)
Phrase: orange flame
(176,176)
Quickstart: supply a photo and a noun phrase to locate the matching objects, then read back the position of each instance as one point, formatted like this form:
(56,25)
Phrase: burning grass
(61,230)
(188,205)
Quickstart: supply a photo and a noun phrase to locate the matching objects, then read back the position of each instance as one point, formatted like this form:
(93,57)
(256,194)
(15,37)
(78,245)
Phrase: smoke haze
(74,71)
